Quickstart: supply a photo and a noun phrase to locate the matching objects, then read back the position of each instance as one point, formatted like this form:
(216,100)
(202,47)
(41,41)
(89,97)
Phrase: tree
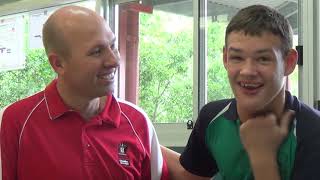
(218,86)
(165,69)
(166,86)
(18,84)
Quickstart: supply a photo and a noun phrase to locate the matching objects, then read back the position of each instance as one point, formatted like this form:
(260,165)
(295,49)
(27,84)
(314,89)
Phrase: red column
(128,47)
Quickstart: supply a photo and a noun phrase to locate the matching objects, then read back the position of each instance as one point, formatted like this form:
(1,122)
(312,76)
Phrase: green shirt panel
(223,142)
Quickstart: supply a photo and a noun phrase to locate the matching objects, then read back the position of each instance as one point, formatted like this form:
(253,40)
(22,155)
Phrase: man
(264,132)
(75,128)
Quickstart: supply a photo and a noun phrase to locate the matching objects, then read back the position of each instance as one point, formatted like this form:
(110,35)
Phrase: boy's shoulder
(308,122)
(213,108)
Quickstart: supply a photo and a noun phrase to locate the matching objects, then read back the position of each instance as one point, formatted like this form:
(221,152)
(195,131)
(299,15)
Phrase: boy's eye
(264,59)
(235,58)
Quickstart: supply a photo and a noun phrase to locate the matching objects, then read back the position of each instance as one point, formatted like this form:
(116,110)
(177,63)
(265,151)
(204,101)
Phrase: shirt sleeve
(307,162)
(307,158)
(159,168)
(9,147)
(196,157)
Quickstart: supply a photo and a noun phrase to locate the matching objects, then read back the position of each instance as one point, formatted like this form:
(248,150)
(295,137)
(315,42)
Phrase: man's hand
(261,137)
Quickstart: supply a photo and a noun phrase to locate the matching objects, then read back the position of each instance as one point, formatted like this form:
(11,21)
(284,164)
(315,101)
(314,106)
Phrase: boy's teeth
(249,85)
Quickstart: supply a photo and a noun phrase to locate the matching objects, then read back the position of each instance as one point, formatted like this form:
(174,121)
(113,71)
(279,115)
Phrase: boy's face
(256,69)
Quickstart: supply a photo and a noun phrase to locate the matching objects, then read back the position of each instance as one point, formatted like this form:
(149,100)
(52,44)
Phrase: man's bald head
(62,24)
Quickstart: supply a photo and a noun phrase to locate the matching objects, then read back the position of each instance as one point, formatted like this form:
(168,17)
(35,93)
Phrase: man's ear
(225,56)
(290,61)
(56,63)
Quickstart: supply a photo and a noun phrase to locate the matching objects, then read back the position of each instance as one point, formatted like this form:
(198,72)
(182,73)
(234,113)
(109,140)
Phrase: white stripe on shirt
(1,114)
(156,159)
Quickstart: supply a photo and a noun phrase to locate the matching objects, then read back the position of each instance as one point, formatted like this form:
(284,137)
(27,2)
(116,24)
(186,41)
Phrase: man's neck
(87,107)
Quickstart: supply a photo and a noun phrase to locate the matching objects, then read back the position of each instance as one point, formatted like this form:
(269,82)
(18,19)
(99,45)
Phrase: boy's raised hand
(261,137)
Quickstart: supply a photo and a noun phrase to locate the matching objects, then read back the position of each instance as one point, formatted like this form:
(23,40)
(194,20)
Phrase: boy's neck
(277,106)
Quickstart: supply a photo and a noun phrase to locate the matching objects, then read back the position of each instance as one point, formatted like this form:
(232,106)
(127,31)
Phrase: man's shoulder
(139,121)
(23,106)
(135,114)
(129,108)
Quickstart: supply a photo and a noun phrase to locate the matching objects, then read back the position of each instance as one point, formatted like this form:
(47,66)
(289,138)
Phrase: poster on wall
(37,19)
(12,54)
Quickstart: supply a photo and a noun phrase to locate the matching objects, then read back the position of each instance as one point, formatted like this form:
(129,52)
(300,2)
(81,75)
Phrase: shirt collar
(56,107)
(111,113)
(291,102)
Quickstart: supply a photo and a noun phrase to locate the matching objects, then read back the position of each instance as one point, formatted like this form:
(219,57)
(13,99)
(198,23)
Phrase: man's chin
(109,91)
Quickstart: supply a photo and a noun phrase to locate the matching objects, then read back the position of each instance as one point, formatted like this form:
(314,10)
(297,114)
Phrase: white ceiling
(15,6)
(215,7)
(244,3)
(289,8)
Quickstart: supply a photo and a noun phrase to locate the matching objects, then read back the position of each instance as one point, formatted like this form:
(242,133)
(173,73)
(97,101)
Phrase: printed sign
(12,42)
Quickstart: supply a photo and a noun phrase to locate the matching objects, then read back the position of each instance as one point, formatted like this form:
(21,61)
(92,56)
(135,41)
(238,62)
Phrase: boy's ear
(56,63)
(290,61)
(225,56)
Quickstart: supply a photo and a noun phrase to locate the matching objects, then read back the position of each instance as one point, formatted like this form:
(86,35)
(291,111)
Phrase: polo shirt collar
(111,113)
(55,105)
(291,103)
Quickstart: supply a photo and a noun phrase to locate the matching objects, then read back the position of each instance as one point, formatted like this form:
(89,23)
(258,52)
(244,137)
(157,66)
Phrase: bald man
(75,129)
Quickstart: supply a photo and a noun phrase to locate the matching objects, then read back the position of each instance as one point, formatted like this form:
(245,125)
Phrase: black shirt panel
(196,157)
(307,162)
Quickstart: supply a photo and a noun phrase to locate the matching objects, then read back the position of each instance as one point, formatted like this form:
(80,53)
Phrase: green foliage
(17,84)
(293,82)
(218,84)
(166,78)
(165,69)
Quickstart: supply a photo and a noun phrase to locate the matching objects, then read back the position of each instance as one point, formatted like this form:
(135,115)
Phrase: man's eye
(96,52)
(112,46)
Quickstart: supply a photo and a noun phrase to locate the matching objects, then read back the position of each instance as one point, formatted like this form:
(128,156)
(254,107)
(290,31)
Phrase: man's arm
(262,137)
(8,148)
(176,171)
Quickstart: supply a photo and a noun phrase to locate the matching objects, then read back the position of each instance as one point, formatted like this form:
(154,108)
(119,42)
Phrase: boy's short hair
(257,19)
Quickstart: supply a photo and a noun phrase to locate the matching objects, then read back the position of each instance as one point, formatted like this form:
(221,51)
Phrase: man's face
(90,69)
(256,70)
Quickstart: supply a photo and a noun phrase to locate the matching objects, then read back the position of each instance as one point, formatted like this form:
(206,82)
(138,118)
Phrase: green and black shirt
(215,146)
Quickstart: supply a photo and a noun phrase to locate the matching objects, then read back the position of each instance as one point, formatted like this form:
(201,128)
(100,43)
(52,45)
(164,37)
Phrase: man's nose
(112,58)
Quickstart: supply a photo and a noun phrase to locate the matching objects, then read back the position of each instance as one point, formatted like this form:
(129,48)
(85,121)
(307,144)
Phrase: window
(165,66)
(174,75)
(22,42)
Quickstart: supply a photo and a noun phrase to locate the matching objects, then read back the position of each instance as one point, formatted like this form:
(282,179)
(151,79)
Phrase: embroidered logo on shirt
(122,152)
(122,149)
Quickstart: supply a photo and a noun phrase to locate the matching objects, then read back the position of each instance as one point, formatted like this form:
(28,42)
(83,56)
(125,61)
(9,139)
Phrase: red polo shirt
(42,139)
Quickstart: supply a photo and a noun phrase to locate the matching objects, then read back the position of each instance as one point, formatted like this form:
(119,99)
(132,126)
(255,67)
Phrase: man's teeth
(108,76)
